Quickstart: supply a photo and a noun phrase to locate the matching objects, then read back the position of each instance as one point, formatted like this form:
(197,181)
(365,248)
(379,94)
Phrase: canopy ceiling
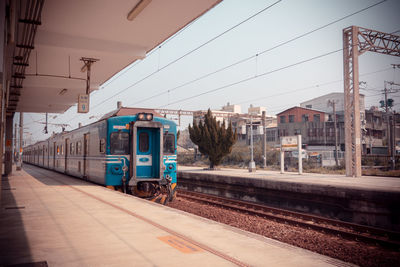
(99,29)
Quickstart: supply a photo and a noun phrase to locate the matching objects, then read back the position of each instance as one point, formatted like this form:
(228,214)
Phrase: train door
(48,154)
(85,155)
(43,155)
(148,152)
(66,155)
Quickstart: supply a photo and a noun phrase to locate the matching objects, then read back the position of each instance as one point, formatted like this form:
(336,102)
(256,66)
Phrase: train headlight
(144,116)
(149,117)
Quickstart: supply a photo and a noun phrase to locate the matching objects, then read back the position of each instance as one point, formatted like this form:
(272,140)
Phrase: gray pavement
(82,224)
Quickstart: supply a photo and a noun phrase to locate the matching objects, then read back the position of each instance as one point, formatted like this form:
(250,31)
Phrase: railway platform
(49,219)
(367,200)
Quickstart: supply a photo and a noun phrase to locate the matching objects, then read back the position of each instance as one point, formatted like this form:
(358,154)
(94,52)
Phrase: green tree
(213,138)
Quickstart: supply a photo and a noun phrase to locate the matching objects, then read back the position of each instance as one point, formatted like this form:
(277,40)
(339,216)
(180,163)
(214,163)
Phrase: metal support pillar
(2,126)
(264,143)
(21,136)
(357,41)
(352,102)
(8,145)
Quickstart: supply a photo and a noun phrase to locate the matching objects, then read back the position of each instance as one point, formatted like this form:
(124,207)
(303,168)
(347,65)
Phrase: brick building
(316,127)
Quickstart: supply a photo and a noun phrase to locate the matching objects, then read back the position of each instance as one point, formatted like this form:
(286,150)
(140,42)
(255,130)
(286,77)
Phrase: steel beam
(357,41)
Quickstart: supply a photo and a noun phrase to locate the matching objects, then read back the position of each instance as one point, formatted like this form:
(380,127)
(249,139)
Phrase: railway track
(346,230)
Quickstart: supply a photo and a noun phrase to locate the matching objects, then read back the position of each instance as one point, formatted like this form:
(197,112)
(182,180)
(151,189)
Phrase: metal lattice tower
(357,41)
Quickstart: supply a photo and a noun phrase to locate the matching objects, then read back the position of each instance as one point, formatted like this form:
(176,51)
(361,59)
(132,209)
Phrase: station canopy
(99,29)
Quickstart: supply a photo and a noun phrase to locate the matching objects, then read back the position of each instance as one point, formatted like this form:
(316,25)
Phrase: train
(135,154)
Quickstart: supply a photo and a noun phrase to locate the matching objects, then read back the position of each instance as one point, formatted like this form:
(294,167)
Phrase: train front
(153,164)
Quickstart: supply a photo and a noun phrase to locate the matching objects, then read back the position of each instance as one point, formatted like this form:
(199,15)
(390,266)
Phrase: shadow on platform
(14,245)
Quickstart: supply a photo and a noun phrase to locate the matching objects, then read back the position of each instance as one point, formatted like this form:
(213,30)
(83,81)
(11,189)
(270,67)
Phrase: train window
(119,142)
(102,147)
(78,147)
(72,148)
(169,144)
(143,142)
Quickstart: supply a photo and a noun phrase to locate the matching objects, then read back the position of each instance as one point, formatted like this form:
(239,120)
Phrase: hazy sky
(266,78)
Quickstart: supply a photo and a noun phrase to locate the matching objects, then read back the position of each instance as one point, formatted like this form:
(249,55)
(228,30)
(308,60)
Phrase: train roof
(124,111)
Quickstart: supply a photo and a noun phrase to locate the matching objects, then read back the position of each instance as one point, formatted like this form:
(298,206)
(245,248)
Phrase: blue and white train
(136,154)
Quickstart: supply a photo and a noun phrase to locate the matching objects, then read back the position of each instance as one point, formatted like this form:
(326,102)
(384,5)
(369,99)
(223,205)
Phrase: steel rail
(334,227)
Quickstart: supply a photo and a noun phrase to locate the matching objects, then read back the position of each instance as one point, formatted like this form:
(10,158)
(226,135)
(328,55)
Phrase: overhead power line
(258,54)
(254,77)
(188,53)
(150,53)
(293,39)
(307,87)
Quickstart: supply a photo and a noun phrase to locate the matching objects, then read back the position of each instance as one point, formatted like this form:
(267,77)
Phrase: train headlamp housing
(144,117)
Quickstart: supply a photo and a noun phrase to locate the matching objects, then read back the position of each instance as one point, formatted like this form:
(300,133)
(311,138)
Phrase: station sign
(289,143)
(83,103)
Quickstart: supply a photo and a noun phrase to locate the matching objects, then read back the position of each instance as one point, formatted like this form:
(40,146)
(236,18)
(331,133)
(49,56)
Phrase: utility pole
(252,164)
(390,120)
(333,104)
(264,141)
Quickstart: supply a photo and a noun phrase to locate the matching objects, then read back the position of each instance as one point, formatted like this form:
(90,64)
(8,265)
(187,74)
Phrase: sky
(274,54)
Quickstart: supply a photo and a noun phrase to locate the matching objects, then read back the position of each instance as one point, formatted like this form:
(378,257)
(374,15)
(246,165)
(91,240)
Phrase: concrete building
(321,103)
(256,110)
(381,133)
(232,108)
(241,122)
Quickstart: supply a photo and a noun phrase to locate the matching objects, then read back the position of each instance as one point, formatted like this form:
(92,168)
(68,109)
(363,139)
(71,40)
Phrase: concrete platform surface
(389,184)
(82,224)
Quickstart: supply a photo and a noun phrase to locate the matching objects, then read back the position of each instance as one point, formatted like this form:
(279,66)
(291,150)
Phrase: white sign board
(83,103)
(289,143)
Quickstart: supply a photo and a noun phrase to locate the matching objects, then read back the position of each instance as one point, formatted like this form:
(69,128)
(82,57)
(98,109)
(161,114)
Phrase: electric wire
(236,63)
(255,77)
(258,54)
(306,88)
(186,54)
(149,54)
(241,61)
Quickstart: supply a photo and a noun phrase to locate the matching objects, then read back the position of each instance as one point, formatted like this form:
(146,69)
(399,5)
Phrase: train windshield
(169,144)
(119,142)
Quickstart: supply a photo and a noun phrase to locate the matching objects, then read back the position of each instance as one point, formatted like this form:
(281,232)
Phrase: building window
(291,118)
(317,117)
(297,131)
(308,106)
(282,119)
(304,118)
